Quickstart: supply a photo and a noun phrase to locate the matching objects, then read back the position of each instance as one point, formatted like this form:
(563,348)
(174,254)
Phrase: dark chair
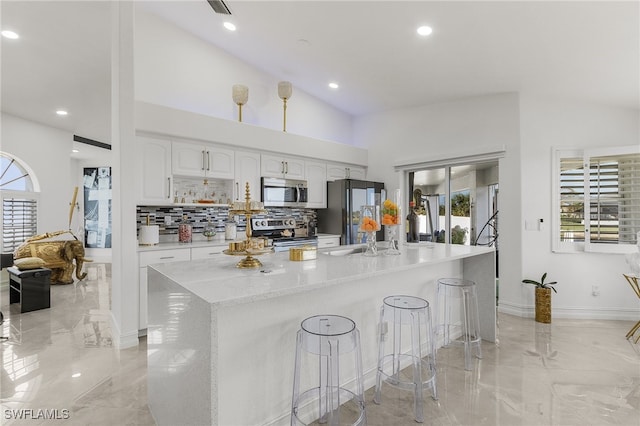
(6,260)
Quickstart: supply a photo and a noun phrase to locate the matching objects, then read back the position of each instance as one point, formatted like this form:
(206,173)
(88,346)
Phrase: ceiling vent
(219,7)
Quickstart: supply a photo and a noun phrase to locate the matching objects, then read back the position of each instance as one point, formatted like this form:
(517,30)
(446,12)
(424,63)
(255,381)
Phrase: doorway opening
(457,204)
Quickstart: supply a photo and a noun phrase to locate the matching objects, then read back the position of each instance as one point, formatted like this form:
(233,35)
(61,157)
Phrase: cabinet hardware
(237,191)
(202,160)
(168,187)
(208,161)
(167,257)
(286,167)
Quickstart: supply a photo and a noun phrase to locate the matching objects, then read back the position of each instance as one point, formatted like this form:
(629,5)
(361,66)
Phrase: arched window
(19,189)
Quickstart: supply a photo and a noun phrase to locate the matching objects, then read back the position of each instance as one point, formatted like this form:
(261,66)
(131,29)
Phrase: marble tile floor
(572,372)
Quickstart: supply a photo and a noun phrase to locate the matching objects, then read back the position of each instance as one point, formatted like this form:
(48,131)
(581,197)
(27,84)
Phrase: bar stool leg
(417,367)
(476,319)
(471,326)
(382,337)
(296,379)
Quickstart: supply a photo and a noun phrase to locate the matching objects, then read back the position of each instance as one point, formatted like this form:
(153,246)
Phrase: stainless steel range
(281,231)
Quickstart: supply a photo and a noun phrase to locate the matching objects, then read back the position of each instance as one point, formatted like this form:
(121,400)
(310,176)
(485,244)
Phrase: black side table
(31,288)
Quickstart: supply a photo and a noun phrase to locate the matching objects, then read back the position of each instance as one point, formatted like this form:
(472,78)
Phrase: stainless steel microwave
(284,192)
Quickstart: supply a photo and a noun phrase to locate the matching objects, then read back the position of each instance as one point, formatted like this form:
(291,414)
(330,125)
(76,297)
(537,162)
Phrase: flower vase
(391,218)
(370,224)
(393,232)
(372,247)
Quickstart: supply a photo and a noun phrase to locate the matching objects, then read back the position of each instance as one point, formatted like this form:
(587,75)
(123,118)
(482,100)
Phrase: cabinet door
(206,252)
(188,159)
(342,171)
(336,171)
(316,174)
(271,166)
(324,242)
(148,258)
(220,163)
(247,169)
(294,168)
(356,173)
(154,183)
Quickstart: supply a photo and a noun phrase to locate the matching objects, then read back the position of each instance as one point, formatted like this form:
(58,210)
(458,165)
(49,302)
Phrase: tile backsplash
(169,217)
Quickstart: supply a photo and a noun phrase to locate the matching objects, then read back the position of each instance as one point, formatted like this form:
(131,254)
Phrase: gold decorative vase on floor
(543,305)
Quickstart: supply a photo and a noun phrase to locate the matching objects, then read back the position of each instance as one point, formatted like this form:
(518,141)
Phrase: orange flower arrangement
(369,225)
(390,213)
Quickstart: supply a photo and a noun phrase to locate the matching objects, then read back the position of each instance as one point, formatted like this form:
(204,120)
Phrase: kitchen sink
(347,251)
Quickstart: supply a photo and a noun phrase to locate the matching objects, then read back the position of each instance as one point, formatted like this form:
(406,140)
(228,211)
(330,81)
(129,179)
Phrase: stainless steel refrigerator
(342,215)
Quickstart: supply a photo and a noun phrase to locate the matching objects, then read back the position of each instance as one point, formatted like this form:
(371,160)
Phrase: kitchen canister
(149,234)
(184,231)
(230,230)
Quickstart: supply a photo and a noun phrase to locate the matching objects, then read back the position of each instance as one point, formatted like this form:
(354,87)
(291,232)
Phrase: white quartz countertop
(219,282)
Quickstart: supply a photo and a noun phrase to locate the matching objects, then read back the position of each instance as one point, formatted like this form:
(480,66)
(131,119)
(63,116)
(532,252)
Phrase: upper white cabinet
(316,175)
(155,181)
(282,167)
(247,169)
(341,171)
(202,161)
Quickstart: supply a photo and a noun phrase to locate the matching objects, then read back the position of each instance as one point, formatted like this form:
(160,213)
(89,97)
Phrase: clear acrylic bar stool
(457,300)
(321,341)
(411,347)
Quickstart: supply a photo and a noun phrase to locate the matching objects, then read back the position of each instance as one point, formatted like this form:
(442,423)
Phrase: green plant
(541,283)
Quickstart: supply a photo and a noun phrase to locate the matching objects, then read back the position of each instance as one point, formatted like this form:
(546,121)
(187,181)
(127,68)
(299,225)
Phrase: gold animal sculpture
(58,255)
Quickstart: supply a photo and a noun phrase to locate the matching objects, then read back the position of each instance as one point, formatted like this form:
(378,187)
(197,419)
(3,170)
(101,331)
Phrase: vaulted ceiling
(587,51)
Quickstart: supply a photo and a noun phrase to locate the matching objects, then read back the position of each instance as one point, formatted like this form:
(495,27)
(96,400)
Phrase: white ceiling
(580,50)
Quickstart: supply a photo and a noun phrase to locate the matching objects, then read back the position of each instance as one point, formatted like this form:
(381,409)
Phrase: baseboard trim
(122,341)
(617,314)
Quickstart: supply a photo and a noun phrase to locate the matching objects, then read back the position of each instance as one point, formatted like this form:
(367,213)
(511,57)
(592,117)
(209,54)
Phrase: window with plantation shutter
(19,222)
(19,203)
(571,200)
(607,182)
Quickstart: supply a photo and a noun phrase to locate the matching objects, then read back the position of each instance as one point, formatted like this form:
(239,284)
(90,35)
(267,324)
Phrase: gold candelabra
(251,246)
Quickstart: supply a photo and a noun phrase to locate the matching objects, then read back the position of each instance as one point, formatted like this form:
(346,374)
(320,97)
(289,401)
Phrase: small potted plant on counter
(543,298)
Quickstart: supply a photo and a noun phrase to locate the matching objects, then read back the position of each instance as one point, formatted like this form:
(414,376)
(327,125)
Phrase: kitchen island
(221,340)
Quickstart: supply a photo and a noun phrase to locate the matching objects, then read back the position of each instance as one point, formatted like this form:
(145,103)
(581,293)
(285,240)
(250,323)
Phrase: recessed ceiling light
(424,30)
(75,151)
(10,34)
(333,85)
(61,112)
(74,375)
(229,26)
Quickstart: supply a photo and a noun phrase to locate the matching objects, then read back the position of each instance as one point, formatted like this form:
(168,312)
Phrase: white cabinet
(154,182)
(149,258)
(316,175)
(196,160)
(325,241)
(247,169)
(342,171)
(282,167)
(206,252)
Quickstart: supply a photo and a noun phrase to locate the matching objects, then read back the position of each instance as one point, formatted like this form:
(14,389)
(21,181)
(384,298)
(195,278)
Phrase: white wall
(176,69)
(454,129)
(47,151)
(546,124)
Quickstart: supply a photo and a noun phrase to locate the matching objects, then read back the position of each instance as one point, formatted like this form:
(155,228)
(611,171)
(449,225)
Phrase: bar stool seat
(321,341)
(394,358)
(457,309)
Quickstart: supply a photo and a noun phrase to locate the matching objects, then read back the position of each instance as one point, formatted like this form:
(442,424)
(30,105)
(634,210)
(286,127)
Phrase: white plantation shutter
(612,189)
(19,222)
(607,182)
(571,200)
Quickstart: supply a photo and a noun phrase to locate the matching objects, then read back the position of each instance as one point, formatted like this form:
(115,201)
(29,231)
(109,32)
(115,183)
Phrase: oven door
(283,192)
